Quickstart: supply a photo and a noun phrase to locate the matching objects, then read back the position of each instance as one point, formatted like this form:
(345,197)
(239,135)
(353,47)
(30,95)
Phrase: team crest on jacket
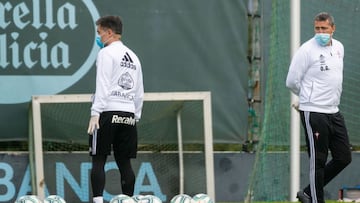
(317,134)
(126,82)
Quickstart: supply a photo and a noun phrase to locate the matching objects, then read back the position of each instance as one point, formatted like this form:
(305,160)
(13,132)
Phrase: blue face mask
(322,39)
(99,42)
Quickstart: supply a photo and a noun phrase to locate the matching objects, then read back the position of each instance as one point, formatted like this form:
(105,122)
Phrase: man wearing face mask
(116,108)
(316,75)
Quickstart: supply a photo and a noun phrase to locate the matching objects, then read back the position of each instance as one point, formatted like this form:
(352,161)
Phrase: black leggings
(325,132)
(98,175)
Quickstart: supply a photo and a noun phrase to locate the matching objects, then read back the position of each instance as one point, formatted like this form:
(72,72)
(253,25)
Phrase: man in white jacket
(116,107)
(316,75)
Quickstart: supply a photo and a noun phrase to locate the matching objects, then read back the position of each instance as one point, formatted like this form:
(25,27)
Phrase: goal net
(174,141)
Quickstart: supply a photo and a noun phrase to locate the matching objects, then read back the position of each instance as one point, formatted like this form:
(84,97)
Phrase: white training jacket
(119,81)
(316,75)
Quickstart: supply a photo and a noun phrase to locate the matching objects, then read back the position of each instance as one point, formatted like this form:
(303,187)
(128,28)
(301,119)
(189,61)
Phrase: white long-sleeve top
(316,75)
(119,81)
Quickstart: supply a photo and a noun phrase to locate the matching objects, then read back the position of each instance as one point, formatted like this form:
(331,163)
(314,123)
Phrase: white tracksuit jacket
(316,75)
(119,81)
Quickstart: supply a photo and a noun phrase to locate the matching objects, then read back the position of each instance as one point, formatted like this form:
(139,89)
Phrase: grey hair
(323,16)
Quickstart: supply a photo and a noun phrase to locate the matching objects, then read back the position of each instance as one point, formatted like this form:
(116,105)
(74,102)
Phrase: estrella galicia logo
(45,46)
(126,82)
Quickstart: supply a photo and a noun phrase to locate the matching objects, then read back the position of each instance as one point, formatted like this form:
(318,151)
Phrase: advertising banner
(68,175)
(48,47)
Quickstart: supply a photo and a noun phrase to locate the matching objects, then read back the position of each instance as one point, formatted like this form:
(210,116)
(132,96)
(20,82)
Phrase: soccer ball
(122,198)
(54,199)
(28,199)
(137,198)
(181,198)
(202,198)
(150,199)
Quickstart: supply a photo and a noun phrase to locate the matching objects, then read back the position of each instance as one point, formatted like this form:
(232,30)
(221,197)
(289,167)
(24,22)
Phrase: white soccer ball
(150,199)
(202,198)
(122,198)
(181,198)
(28,199)
(54,199)
(137,198)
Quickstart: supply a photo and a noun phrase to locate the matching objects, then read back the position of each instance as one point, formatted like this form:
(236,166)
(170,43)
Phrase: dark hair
(110,22)
(323,16)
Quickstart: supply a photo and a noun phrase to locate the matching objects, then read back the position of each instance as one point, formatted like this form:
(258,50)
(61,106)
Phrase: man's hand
(295,106)
(93,124)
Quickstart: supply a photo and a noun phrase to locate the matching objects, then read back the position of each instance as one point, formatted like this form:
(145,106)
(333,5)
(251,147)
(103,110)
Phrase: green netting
(270,176)
(64,125)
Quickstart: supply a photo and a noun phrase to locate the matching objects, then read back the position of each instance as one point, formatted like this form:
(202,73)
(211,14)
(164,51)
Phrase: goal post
(36,133)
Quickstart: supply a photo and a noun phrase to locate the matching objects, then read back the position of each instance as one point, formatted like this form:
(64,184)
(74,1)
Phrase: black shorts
(118,132)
